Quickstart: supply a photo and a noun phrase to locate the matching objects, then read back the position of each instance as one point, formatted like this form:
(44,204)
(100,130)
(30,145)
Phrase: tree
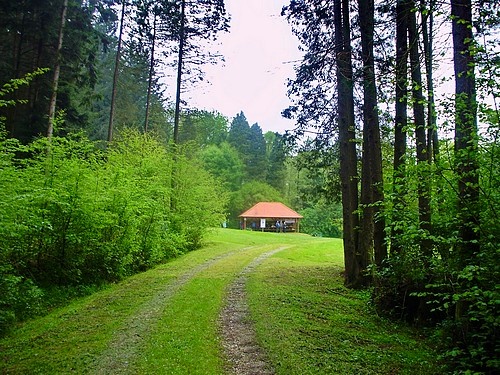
(30,36)
(353,260)
(57,70)
(198,20)
(427,16)
(224,162)
(205,128)
(276,170)
(180,62)
(325,86)
(256,162)
(466,148)
(239,135)
(372,223)
(251,145)
(400,120)
(424,208)
(116,72)
(151,70)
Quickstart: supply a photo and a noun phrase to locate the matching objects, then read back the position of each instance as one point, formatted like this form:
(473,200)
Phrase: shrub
(73,215)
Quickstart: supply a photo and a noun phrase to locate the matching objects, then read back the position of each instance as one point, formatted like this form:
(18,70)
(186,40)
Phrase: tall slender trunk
(347,135)
(427,34)
(57,70)
(424,208)
(401,120)
(466,148)
(116,73)
(179,72)
(372,193)
(150,78)
(17,53)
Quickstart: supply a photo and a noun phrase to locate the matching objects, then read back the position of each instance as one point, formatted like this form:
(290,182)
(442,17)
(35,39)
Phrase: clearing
(246,303)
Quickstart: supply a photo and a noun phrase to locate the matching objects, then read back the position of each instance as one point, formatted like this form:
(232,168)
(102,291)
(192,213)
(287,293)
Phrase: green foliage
(470,341)
(322,220)
(320,171)
(239,133)
(251,146)
(205,128)
(201,202)
(458,295)
(278,154)
(38,23)
(256,158)
(224,163)
(75,215)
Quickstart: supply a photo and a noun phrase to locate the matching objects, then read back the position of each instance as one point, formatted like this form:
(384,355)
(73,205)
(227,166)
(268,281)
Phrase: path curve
(244,354)
(125,346)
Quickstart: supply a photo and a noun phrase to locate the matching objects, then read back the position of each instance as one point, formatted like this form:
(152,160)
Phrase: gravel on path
(242,351)
(126,345)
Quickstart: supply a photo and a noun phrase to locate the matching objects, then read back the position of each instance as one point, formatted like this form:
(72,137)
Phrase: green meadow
(166,320)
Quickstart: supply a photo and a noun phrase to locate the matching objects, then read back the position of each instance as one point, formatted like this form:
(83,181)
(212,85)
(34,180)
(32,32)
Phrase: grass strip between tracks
(306,320)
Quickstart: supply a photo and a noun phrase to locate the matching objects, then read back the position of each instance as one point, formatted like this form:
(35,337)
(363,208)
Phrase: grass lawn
(306,320)
(311,324)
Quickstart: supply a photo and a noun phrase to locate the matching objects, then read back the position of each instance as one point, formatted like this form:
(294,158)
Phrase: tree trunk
(424,210)
(348,158)
(427,33)
(150,78)
(179,72)
(466,147)
(372,194)
(401,120)
(57,70)
(116,73)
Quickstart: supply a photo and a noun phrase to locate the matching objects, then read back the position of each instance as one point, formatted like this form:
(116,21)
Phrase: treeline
(76,211)
(418,171)
(255,167)
(113,58)
(105,63)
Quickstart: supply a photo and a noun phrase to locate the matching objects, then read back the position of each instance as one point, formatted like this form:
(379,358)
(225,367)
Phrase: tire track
(239,340)
(126,344)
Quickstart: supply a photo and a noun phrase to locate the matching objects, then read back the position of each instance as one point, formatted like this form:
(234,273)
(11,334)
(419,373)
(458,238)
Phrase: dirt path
(126,345)
(241,348)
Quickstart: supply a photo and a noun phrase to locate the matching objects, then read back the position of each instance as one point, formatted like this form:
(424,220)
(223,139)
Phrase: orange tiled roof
(274,210)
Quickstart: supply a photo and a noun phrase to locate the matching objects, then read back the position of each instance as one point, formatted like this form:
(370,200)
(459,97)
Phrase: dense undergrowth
(457,296)
(74,216)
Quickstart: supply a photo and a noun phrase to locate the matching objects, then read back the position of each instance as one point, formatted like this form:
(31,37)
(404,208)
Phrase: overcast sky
(259,52)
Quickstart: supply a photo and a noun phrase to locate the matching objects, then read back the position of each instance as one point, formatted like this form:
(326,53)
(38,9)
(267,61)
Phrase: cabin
(270,217)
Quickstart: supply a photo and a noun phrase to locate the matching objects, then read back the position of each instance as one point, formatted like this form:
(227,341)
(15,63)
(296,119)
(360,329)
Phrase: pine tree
(256,164)
(239,134)
(372,224)
(276,170)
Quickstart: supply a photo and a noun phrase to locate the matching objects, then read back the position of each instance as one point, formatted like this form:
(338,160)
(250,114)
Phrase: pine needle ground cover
(167,320)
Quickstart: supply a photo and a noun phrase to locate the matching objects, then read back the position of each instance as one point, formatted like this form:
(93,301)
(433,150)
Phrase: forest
(395,150)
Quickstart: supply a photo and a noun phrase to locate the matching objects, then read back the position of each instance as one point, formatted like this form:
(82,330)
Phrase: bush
(73,215)
(322,220)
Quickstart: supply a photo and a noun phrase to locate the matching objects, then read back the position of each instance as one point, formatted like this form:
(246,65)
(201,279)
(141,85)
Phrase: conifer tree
(239,134)
(257,159)
(276,170)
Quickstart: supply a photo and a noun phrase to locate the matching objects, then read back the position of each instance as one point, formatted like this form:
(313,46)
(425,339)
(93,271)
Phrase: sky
(259,51)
